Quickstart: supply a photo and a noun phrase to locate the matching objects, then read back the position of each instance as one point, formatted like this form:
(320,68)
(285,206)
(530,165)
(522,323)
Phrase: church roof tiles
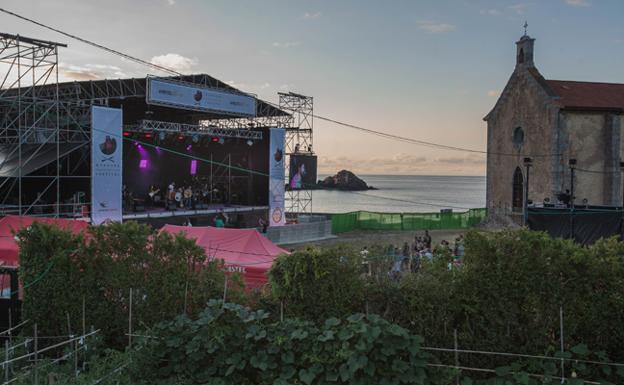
(588,95)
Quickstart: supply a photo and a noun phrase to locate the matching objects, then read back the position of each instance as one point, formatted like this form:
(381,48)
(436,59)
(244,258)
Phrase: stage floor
(212,209)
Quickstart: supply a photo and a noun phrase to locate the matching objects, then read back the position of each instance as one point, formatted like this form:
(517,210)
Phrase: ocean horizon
(404,193)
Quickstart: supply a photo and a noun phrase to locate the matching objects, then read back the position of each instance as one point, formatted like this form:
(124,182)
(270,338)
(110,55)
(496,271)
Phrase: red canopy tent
(11,224)
(242,250)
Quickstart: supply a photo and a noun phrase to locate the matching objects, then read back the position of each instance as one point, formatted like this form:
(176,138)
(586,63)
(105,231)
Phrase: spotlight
(250,142)
(221,141)
(148,135)
(126,134)
(180,137)
(195,138)
(162,135)
(214,140)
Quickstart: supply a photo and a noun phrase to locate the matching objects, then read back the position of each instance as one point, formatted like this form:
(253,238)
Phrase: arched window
(518,137)
(517,198)
(521,56)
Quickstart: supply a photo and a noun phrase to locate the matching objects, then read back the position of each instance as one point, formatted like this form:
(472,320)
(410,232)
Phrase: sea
(404,194)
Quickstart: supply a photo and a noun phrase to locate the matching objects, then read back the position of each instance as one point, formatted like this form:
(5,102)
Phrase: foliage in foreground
(61,272)
(506,296)
(230,344)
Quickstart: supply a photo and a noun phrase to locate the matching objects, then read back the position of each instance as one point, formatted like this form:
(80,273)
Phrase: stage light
(126,134)
(189,147)
(143,163)
(193,167)
(148,135)
(195,138)
(214,140)
(180,137)
(162,135)
(250,142)
(221,141)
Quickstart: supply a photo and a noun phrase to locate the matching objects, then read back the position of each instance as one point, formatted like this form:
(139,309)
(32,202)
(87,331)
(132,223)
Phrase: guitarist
(154,195)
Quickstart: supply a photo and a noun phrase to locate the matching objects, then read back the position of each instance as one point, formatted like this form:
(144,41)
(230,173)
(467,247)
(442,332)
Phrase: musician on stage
(153,195)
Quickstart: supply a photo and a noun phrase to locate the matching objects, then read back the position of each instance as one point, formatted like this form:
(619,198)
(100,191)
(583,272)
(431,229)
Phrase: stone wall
(523,104)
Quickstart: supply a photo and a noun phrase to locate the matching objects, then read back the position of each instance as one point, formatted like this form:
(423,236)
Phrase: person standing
(427,239)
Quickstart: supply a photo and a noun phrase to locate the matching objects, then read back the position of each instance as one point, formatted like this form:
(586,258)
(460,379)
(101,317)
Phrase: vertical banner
(106,164)
(277,216)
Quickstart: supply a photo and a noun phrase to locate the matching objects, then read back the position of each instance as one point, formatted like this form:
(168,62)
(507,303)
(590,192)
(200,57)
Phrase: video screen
(302,173)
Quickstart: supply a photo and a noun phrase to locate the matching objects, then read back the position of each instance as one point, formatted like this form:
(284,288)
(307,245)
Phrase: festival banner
(106,164)
(196,97)
(277,215)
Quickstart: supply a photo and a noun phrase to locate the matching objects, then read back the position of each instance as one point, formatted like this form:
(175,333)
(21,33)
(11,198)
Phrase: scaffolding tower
(37,132)
(298,139)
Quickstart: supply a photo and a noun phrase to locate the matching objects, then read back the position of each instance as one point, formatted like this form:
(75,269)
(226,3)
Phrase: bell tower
(524,50)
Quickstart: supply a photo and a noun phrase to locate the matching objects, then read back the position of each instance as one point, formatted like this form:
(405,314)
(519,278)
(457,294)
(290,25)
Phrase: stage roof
(131,94)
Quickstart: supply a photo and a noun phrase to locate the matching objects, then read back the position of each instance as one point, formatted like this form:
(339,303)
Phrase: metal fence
(365,220)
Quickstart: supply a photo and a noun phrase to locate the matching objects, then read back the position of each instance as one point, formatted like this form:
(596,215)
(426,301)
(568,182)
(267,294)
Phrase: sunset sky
(428,70)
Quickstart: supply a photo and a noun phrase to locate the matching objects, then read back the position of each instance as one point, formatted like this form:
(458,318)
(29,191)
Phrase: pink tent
(242,250)
(9,250)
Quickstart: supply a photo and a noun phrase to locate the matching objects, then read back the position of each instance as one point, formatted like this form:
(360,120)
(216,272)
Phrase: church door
(517,198)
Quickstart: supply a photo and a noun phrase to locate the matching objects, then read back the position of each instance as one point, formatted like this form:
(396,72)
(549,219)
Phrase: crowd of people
(409,257)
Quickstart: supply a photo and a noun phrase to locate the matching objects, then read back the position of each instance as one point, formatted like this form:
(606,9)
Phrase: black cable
(362,129)
(110,50)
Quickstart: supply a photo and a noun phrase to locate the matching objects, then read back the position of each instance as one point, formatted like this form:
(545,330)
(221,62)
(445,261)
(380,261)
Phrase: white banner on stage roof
(277,216)
(196,97)
(106,164)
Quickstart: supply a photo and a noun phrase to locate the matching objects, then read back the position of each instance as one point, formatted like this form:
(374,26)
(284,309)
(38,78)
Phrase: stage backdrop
(276,178)
(106,164)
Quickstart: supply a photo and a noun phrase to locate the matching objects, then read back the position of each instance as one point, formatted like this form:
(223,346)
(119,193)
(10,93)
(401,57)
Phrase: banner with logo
(195,97)
(277,216)
(106,164)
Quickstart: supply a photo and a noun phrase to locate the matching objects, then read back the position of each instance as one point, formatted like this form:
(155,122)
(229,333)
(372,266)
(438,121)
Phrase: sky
(428,69)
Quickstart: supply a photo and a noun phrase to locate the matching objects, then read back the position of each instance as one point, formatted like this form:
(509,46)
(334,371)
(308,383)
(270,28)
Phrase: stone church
(559,125)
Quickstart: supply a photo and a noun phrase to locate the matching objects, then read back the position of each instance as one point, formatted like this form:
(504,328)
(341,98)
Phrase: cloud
(249,87)
(493,93)
(175,62)
(90,71)
(435,27)
(520,9)
(490,12)
(288,44)
(312,15)
(471,164)
(577,3)
(473,159)
(171,2)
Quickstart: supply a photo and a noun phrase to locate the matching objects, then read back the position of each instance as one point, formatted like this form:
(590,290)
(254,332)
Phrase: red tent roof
(243,250)
(11,224)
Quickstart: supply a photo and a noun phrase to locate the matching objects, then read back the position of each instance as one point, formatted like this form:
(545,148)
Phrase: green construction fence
(365,220)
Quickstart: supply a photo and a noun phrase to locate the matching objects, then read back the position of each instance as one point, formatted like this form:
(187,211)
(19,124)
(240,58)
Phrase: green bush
(59,271)
(316,284)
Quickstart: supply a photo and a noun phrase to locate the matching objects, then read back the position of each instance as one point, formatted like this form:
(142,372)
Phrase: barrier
(365,220)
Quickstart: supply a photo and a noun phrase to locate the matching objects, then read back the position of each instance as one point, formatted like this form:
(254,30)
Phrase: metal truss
(29,123)
(298,140)
(193,129)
